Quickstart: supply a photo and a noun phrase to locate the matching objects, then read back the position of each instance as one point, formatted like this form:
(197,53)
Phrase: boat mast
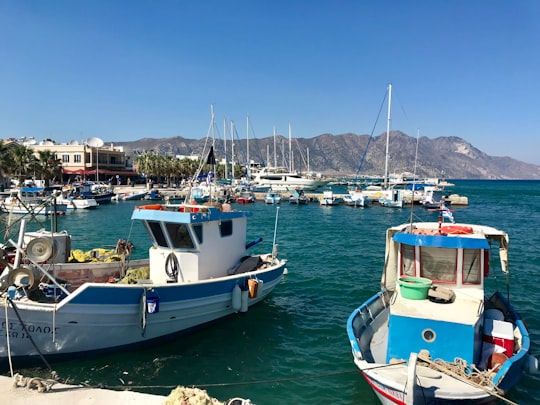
(387,136)
(275,155)
(291,168)
(232,151)
(225,173)
(247,147)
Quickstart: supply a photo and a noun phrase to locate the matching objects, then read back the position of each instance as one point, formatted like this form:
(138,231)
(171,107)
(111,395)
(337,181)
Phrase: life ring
(456,229)
(172,266)
(158,207)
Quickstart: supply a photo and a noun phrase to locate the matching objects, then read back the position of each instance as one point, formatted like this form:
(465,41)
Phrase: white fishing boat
(392,198)
(434,333)
(298,197)
(272,198)
(129,196)
(200,271)
(356,198)
(70,196)
(328,198)
(33,201)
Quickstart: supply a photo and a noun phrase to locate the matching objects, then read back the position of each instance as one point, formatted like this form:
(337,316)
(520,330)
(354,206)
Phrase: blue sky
(123,70)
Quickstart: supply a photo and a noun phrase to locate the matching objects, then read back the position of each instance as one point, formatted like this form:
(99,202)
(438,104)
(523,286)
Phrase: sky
(122,70)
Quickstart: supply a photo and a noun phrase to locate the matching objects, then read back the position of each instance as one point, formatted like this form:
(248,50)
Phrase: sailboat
(392,198)
(286,179)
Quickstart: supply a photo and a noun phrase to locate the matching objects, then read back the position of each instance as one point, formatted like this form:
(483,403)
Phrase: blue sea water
(293,348)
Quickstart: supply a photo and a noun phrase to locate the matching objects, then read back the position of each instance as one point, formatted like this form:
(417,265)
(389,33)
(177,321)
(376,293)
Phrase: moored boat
(434,334)
(200,271)
(33,201)
(356,198)
(272,198)
(298,197)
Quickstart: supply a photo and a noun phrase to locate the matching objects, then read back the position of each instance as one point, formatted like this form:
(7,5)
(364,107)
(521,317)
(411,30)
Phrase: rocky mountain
(348,154)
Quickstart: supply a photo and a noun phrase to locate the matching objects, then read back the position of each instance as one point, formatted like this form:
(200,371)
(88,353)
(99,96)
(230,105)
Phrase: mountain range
(349,155)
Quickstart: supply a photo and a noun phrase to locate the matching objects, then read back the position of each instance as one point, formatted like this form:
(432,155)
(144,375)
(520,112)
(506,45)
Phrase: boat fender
(244,300)
(236,298)
(531,365)
(172,267)
(441,295)
(253,285)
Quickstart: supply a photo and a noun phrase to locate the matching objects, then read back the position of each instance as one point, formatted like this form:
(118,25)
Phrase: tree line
(21,162)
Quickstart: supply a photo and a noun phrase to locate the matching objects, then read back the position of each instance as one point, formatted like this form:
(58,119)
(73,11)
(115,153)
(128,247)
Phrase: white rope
(7,338)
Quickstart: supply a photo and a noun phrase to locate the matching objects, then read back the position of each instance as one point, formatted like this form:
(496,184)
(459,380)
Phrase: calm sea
(293,348)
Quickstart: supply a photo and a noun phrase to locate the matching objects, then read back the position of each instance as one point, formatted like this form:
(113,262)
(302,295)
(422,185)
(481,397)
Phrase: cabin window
(197,229)
(180,236)
(225,228)
(438,264)
(471,266)
(407,260)
(157,233)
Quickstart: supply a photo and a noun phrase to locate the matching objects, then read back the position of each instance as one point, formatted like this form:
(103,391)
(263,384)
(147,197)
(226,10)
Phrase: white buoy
(236,298)
(245,299)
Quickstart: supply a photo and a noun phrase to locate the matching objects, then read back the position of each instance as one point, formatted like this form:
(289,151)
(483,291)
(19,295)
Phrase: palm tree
(22,159)
(49,167)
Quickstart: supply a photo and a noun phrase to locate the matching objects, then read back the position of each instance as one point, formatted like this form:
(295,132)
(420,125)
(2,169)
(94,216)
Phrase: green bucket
(414,288)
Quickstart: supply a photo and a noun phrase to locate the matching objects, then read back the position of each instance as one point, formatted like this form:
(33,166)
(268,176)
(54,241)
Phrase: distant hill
(341,155)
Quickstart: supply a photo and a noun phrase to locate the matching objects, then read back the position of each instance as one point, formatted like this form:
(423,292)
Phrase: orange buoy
(496,360)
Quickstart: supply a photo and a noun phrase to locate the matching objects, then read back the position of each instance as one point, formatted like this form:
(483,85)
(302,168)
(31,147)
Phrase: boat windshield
(178,234)
(440,265)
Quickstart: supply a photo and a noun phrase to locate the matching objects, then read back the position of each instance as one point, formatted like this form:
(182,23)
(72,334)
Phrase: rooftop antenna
(97,143)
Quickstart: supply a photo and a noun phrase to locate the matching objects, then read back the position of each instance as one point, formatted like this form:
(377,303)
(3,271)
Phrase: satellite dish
(74,142)
(39,249)
(95,142)
(21,277)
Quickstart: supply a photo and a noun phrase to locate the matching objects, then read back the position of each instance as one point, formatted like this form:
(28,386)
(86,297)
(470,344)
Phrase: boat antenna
(414,175)
(274,246)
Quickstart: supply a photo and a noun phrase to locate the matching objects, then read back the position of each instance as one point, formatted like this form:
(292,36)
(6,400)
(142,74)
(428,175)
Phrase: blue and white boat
(392,198)
(272,198)
(356,198)
(434,334)
(200,271)
(298,197)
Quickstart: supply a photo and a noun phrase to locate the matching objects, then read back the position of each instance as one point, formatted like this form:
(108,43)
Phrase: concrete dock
(17,392)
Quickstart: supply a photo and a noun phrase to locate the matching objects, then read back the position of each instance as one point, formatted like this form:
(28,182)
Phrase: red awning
(104,172)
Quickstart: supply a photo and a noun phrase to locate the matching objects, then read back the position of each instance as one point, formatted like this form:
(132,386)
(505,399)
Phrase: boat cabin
(193,242)
(438,304)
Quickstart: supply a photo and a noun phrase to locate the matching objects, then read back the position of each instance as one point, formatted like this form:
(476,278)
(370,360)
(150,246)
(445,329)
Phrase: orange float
(456,229)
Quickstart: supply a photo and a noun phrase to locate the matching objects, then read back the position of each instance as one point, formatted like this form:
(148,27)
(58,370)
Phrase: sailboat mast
(275,155)
(247,147)
(387,136)
(232,151)
(291,168)
(225,172)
